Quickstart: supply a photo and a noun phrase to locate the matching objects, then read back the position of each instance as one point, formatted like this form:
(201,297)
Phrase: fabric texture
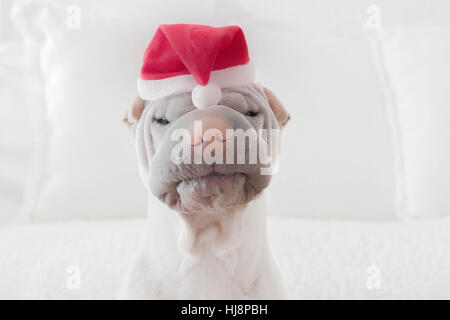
(19,97)
(193,49)
(317,259)
(181,58)
(415,69)
(85,157)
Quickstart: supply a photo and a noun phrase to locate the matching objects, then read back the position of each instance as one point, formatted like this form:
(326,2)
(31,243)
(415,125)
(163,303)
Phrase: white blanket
(318,259)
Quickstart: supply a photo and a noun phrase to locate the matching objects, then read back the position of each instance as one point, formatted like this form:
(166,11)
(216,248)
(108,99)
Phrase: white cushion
(414,63)
(17,94)
(86,166)
(336,150)
(317,259)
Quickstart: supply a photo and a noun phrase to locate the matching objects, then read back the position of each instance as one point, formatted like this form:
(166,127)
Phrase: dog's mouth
(207,188)
(211,193)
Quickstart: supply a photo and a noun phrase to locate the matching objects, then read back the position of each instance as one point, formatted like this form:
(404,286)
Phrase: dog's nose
(207,130)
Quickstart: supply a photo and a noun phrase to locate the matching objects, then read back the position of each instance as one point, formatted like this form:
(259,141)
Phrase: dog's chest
(209,269)
(213,278)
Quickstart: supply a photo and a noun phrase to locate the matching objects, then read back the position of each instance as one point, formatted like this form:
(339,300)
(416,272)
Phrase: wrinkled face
(229,179)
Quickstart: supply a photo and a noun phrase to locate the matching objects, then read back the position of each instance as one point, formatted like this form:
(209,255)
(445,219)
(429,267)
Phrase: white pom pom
(205,96)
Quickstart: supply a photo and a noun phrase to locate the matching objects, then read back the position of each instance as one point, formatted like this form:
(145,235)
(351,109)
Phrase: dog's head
(228,174)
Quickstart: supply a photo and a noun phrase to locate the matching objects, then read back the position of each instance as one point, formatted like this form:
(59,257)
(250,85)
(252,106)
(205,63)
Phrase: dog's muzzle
(227,179)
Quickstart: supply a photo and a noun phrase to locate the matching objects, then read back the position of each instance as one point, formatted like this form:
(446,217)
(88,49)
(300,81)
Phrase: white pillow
(17,90)
(336,150)
(336,155)
(90,56)
(415,66)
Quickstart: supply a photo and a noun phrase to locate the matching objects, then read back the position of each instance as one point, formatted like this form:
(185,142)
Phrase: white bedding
(317,259)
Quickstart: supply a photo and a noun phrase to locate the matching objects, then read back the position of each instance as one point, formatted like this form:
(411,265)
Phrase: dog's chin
(213,194)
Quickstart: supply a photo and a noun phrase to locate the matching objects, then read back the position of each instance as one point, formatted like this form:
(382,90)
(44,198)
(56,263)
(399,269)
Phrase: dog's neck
(230,245)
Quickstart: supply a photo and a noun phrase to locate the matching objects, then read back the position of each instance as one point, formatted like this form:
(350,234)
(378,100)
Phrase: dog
(207,144)
(206,236)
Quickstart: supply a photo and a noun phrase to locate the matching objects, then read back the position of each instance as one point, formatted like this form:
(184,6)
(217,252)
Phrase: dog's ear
(134,113)
(278,109)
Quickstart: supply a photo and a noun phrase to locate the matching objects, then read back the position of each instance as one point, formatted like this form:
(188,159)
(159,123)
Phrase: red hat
(202,59)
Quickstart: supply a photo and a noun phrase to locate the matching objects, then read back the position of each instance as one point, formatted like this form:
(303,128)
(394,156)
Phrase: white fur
(204,256)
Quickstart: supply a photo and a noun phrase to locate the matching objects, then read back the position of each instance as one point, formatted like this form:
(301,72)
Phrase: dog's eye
(251,114)
(162,121)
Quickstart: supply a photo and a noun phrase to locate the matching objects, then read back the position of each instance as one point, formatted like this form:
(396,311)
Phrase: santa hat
(202,59)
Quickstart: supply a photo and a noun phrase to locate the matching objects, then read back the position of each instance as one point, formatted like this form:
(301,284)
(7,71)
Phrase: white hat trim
(229,77)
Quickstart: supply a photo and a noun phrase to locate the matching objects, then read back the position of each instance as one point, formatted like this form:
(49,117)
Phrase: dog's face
(232,177)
